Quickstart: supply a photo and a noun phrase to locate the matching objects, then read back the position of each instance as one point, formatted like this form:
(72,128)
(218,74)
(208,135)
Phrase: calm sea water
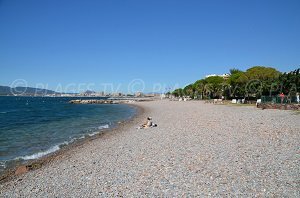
(31,127)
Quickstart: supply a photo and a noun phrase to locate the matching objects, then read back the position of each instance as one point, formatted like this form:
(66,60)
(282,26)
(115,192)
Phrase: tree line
(253,83)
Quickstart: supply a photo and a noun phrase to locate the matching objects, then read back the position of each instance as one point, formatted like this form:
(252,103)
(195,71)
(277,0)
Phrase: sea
(32,127)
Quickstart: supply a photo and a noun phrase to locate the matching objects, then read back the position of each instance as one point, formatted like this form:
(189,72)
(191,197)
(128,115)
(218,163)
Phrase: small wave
(57,147)
(95,133)
(106,126)
(40,154)
(75,139)
(10,111)
(81,137)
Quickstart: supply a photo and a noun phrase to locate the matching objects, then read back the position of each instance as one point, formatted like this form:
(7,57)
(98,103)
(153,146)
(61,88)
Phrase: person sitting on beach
(148,123)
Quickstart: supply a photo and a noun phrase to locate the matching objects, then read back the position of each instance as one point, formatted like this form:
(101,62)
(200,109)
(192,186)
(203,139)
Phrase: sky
(142,45)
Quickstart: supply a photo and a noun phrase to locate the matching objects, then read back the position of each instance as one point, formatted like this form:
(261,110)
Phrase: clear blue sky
(58,42)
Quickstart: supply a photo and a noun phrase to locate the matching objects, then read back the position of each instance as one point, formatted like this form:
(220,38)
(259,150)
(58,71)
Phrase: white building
(225,76)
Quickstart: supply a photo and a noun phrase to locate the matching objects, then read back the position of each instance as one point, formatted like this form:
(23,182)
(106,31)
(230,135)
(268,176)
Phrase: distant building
(98,94)
(138,94)
(117,94)
(149,95)
(225,76)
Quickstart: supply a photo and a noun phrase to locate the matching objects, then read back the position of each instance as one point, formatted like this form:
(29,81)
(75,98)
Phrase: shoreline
(34,164)
(197,149)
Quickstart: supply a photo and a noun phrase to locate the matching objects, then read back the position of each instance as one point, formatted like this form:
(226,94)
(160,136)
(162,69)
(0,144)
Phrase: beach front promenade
(197,150)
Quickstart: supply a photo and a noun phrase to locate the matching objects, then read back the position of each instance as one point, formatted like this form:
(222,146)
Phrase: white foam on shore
(106,126)
(2,165)
(40,154)
(74,139)
(57,147)
(95,133)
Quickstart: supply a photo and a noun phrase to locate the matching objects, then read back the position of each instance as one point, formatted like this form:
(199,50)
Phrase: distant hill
(5,90)
(8,91)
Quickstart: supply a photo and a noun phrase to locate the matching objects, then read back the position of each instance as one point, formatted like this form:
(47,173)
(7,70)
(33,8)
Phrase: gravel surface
(197,150)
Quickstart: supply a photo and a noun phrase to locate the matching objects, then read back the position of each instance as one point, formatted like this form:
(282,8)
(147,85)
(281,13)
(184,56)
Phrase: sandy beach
(197,150)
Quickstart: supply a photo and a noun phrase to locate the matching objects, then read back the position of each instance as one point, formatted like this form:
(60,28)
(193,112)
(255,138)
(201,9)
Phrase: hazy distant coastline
(38,92)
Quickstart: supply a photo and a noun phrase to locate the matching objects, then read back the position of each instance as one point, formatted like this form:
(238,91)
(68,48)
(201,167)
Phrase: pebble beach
(197,149)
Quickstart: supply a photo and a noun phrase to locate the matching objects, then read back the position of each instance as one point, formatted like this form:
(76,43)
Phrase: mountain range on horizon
(11,91)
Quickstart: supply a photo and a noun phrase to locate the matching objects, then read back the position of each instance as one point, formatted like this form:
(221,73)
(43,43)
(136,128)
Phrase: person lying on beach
(148,124)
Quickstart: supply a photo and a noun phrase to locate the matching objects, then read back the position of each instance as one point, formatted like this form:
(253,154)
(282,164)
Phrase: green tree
(213,86)
(290,82)
(234,71)
(178,92)
(237,83)
(262,73)
(260,80)
(199,87)
(189,90)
